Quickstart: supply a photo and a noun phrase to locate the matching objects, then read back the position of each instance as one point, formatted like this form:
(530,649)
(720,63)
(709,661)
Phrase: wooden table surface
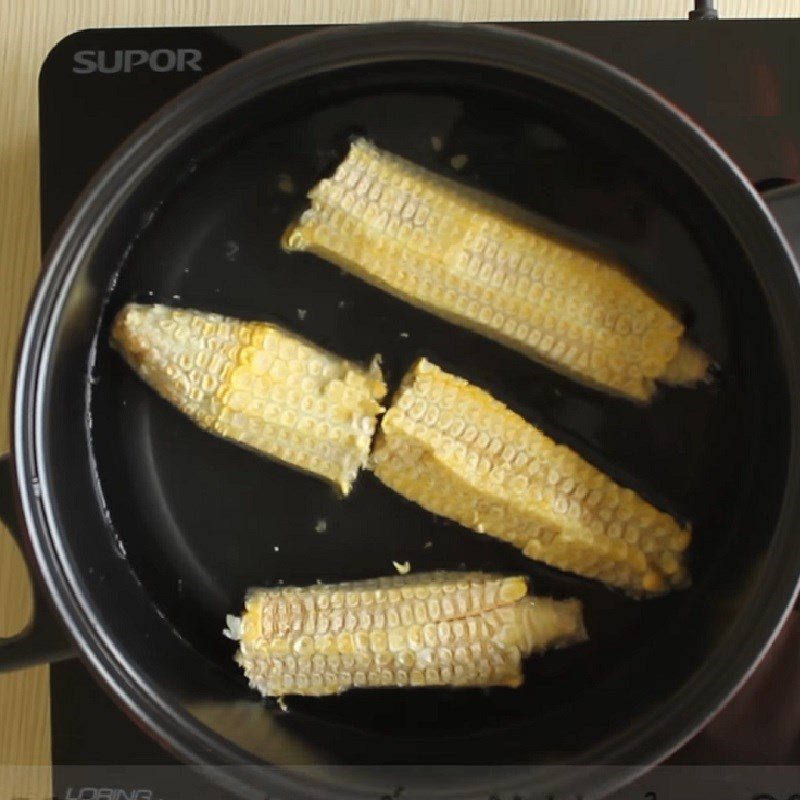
(28,29)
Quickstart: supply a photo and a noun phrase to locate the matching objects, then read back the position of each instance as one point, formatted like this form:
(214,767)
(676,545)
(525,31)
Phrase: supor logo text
(183,59)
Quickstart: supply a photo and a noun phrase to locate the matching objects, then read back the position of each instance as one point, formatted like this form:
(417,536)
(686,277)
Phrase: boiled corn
(435,629)
(456,451)
(473,260)
(257,385)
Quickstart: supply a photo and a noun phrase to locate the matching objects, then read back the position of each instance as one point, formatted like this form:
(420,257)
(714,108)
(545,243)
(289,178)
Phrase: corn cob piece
(257,385)
(476,261)
(435,629)
(456,451)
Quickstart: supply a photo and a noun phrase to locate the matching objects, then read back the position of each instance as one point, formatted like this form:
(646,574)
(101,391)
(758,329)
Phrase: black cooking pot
(145,531)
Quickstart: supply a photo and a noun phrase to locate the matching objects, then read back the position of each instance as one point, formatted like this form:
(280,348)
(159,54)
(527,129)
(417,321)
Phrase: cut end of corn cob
(456,451)
(258,385)
(434,629)
(479,262)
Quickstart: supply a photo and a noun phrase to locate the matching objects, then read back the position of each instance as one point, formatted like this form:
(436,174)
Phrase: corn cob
(476,261)
(257,385)
(435,629)
(456,451)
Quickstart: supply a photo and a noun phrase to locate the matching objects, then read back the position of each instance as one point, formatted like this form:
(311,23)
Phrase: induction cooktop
(740,80)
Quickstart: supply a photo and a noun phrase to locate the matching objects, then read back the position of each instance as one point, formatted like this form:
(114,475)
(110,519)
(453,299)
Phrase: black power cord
(703,9)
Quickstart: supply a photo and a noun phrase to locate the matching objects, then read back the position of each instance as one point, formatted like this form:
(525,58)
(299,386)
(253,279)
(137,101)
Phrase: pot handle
(43,640)
(784,203)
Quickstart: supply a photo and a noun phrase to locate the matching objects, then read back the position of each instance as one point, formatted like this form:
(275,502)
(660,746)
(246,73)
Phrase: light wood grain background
(28,29)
